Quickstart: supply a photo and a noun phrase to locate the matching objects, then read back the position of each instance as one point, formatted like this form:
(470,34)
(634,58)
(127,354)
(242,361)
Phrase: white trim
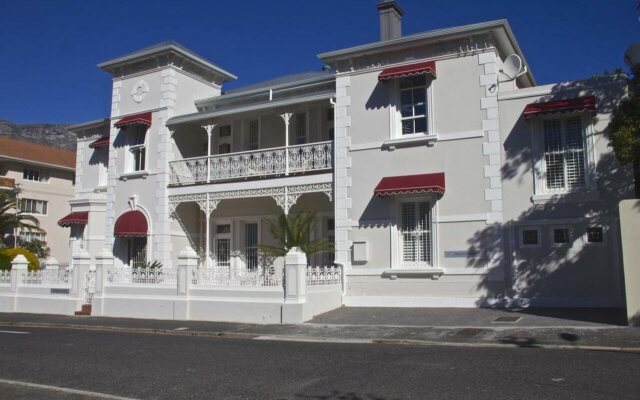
(401,301)
(416,139)
(440,137)
(461,218)
(443,137)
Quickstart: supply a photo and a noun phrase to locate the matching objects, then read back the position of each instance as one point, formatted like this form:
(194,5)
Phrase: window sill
(100,189)
(433,273)
(578,196)
(134,175)
(409,141)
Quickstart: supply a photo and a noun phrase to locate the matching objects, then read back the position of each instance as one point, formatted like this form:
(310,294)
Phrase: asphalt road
(143,366)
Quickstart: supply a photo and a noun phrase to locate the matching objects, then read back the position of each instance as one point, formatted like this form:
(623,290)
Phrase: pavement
(587,329)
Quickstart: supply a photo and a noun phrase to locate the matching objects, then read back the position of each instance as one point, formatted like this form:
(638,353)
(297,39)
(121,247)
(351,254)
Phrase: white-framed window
(225,140)
(35,175)
(413,105)
(564,158)
(529,237)
(253,135)
(595,234)
(222,244)
(415,233)
(33,206)
(137,154)
(31,236)
(251,232)
(561,236)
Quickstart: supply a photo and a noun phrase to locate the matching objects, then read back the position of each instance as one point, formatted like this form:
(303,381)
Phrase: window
(32,206)
(251,244)
(415,233)
(300,128)
(413,105)
(31,236)
(137,151)
(564,155)
(253,136)
(595,234)
(224,139)
(561,236)
(136,252)
(225,131)
(530,238)
(35,175)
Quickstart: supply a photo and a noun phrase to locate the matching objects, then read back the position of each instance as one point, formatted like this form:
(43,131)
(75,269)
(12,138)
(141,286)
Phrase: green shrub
(34,264)
(5,262)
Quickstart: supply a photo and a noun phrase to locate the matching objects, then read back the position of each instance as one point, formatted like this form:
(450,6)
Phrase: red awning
(102,142)
(421,68)
(579,104)
(138,119)
(75,218)
(131,224)
(410,184)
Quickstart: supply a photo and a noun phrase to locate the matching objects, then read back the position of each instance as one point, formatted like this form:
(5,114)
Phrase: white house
(445,177)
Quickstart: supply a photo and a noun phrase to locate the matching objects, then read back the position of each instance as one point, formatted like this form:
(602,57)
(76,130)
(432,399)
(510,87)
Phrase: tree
(294,231)
(11,218)
(624,128)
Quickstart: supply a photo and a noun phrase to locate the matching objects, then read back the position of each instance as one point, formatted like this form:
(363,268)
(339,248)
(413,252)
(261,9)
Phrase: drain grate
(509,320)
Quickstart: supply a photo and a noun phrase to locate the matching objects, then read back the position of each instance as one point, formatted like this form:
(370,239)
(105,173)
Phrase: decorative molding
(139,90)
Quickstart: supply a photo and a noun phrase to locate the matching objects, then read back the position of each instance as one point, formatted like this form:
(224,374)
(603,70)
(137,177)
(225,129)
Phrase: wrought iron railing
(257,163)
(237,276)
(5,276)
(43,277)
(145,276)
(325,275)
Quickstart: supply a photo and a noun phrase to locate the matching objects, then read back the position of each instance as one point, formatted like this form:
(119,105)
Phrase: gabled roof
(500,28)
(167,47)
(282,81)
(20,150)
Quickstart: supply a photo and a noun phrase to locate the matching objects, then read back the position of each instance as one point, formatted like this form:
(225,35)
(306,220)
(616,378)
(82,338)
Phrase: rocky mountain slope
(55,135)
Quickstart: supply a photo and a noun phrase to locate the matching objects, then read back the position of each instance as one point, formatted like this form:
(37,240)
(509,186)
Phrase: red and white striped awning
(410,184)
(421,68)
(102,142)
(131,224)
(578,104)
(137,119)
(75,218)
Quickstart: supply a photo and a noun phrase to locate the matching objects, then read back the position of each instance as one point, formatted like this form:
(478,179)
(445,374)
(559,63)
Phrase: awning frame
(131,224)
(74,218)
(576,104)
(136,119)
(402,71)
(432,183)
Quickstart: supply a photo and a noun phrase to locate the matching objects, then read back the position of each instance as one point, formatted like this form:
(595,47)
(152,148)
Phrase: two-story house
(443,177)
(42,178)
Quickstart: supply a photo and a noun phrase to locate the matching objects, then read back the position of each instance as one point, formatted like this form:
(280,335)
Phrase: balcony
(7,183)
(264,163)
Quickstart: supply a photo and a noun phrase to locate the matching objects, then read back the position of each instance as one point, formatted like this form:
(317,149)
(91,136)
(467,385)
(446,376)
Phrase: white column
(207,234)
(209,129)
(295,288)
(286,117)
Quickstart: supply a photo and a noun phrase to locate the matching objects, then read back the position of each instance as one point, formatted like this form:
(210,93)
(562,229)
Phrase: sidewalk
(448,327)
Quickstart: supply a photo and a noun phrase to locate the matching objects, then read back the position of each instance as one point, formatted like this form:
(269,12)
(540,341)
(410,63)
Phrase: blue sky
(49,49)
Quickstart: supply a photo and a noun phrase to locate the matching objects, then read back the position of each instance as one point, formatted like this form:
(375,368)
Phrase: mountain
(55,135)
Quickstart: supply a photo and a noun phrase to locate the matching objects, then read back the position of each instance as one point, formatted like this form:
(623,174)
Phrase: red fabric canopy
(102,142)
(410,184)
(75,218)
(131,224)
(138,119)
(421,68)
(579,104)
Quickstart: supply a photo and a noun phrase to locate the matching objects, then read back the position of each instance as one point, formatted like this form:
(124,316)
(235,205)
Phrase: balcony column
(286,117)
(209,129)
(207,206)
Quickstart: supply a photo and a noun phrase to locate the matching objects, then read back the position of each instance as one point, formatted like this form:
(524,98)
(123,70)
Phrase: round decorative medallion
(139,91)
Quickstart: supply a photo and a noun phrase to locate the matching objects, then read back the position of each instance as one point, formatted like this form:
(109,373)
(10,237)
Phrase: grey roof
(286,80)
(506,37)
(168,45)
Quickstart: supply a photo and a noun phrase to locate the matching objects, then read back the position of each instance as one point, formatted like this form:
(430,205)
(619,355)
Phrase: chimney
(390,19)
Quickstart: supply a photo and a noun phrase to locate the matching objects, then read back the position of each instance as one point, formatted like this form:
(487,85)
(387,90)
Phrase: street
(146,366)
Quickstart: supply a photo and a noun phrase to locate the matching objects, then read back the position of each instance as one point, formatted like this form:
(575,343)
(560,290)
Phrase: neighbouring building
(42,177)
(443,173)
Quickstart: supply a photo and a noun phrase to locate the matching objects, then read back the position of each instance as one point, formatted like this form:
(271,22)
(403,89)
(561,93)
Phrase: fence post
(187,261)
(104,262)
(295,286)
(81,263)
(19,266)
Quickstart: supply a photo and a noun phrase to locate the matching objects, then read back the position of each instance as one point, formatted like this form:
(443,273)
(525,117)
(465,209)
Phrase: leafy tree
(37,247)
(624,128)
(34,263)
(11,218)
(294,231)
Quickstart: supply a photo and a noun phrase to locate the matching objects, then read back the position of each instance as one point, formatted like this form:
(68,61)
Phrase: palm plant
(11,218)
(293,231)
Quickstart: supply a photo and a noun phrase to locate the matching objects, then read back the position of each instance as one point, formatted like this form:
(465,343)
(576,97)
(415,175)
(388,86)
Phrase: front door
(223,245)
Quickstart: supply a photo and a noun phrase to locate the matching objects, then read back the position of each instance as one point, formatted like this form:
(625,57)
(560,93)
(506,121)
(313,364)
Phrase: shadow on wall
(538,274)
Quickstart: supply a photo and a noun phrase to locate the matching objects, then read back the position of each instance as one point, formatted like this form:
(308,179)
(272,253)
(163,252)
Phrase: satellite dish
(632,55)
(512,66)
